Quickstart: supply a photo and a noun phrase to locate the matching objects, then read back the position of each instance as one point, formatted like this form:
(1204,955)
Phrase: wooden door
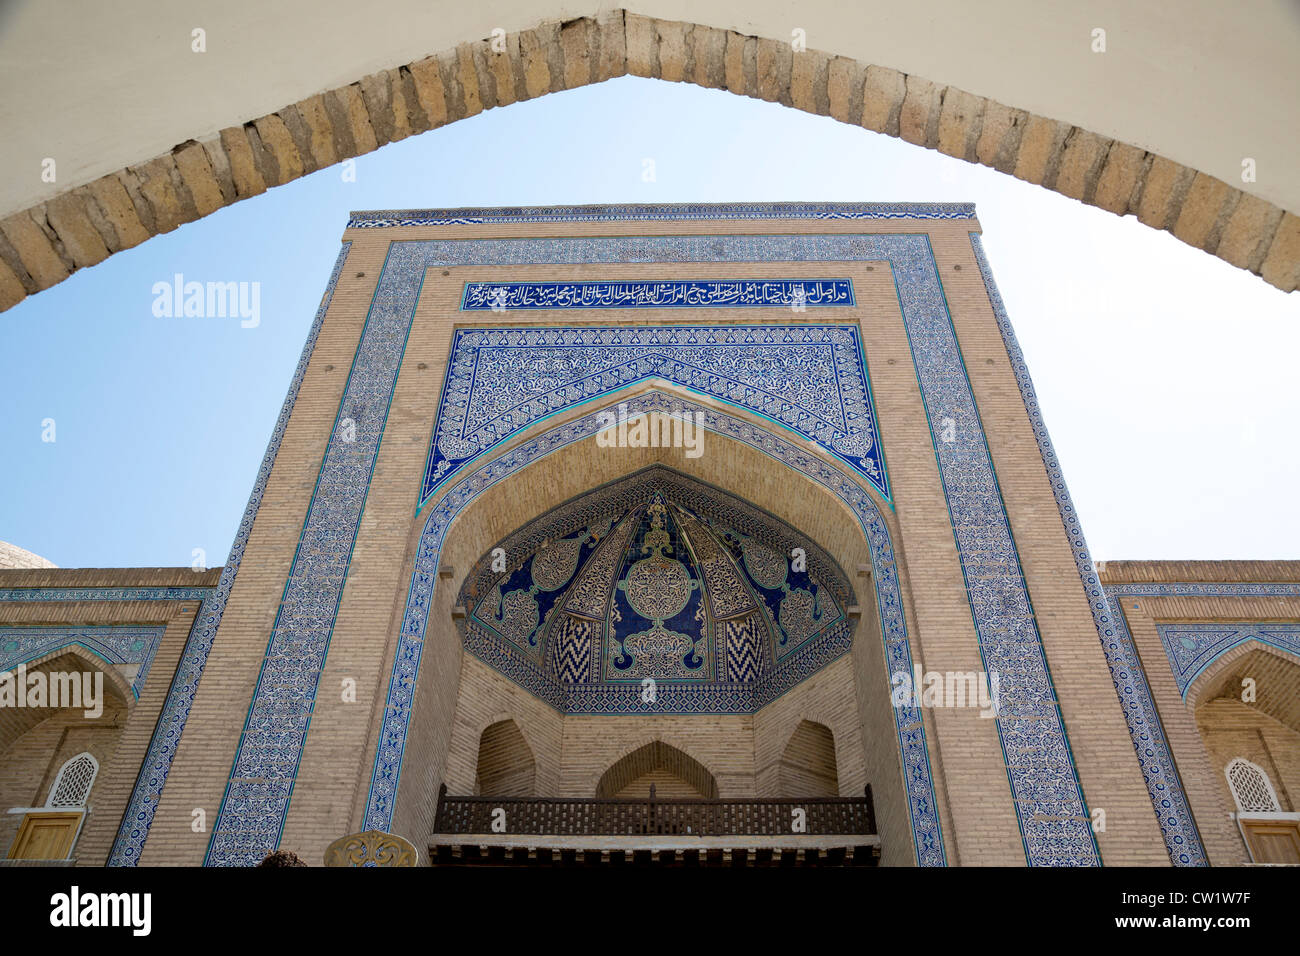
(46,836)
(1273,841)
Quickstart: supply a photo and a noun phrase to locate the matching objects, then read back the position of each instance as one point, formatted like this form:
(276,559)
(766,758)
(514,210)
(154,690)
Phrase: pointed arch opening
(558,464)
(1247,709)
(674,774)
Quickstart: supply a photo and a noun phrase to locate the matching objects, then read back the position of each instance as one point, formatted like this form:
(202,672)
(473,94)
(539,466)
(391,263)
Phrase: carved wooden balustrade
(563,816)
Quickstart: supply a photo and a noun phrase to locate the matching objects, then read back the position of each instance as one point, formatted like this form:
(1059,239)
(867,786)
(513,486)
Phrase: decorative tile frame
(115,645)
(749,366)
(1194,647)
(1051,812)
(672,212)
(1154,756)
(659,294)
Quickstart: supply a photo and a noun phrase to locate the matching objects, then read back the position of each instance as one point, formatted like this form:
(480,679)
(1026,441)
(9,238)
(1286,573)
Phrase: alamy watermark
(128,910)
(82,690)
(946,689)
(651,430)
(179,299)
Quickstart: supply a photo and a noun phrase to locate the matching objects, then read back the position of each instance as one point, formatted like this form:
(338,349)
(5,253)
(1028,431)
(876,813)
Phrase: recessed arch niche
(558,460)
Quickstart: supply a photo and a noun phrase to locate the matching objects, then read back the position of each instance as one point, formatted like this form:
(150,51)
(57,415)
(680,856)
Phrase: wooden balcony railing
(560,816)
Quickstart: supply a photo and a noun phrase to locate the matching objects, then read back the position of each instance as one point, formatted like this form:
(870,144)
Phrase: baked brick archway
(457,530)
(43,245)
(1247,710)
(673,772)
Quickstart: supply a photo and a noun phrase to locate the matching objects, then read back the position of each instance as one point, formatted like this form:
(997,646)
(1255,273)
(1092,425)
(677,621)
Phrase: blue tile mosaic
(794,294)
(1051,812)
(1194,647)
(1154,756)
(810,379)
(378,219)
(114,645)
(657,575)
(64,595)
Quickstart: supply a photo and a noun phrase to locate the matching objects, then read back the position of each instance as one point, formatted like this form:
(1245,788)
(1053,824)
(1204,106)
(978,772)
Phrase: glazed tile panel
(115,645)
(378,219)
(59,595)
(727,616)
(1194,647)
(810,379)
(797,294)
(1049,804)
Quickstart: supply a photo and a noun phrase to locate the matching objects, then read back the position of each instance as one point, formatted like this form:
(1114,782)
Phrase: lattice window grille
(72,785)
(1251,787)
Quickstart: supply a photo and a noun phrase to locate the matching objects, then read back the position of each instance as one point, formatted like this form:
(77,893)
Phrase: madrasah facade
(681,534)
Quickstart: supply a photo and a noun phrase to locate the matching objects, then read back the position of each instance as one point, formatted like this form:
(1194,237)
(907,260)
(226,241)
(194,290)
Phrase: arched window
(1251,787)
(72,785)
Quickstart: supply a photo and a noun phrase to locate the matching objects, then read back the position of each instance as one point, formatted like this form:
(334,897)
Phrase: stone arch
(45,243)
(808,764)
(674,773)
(557,456)
(506,767)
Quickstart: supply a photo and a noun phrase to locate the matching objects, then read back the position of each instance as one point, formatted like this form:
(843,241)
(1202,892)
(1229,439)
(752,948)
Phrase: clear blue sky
(1167,376)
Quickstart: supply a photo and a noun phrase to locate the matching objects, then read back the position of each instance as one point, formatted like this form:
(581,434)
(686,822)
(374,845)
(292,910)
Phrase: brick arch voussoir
(43,245)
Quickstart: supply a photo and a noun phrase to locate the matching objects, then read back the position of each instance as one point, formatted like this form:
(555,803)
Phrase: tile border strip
(145,797)
(644,212)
